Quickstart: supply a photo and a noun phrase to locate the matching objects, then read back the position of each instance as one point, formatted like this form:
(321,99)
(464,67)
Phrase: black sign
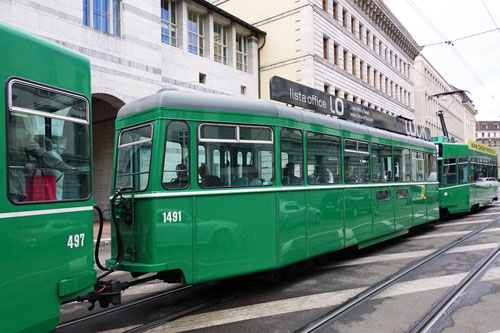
(299,95)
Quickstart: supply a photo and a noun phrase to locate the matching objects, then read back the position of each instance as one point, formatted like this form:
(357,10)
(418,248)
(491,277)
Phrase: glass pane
(39,99)
(356,167)
(291,157)
(430,167)
(323,159)
(218,132)
(381,163)
(176,163)
(449,171)
(255,134)
(350,145)
(417,168)
(49,159)
(136,134)
(133,160)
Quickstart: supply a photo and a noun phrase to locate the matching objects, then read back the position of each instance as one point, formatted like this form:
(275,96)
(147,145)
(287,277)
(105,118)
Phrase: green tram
(468,175)
(46,212)
(211,186)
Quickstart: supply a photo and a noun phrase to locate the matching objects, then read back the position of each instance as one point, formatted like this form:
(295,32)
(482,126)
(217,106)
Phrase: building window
(361,70)
(243,90)
(360,32)
(325,47)
(325,5)
(353,25)
(336,54)
(368,70)
(335,10)
(344,18)
(105,15)
(220,43)
(326,88)
(241,53)
(202,78)
(196,37)
(353,65)
(345,60)
(168,22)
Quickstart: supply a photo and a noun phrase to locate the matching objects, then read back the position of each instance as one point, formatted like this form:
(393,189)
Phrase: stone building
(354,49)
(488,133)
(137,47)
(459,112)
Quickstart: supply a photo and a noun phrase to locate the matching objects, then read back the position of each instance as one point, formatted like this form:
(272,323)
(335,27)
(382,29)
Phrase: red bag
(40,187)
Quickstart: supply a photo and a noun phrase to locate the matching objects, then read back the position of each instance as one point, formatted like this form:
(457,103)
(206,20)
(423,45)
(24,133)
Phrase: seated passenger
(349,177)
(208,180)
(181,179)
(253,175)
(288,173)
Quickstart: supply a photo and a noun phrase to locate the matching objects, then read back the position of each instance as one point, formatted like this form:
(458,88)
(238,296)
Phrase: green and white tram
(468,175)
(213,186)
(46,213)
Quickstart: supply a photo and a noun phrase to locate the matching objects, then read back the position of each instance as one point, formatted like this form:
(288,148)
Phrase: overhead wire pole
(440,113)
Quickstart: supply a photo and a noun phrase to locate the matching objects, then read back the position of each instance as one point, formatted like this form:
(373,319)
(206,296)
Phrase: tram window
(402,193)
(383,195)
(381,163)
(133,157)
(323,159)
(449,171)
(176,160)
(417,168)
(291,157)
(49,144)
(402,165)
(356,162)
(245,160)
(430,167)
(463,170)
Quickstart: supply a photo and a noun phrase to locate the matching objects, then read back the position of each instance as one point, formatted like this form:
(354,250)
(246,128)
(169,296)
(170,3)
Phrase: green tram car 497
(46,211)
(468,175)
(225,186)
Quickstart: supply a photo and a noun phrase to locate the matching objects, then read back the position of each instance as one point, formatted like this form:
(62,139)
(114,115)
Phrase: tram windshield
(49,144)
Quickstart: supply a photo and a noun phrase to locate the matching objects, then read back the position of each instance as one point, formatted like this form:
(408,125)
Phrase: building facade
(459,111)
(488,133)
(138,47)
(354,49)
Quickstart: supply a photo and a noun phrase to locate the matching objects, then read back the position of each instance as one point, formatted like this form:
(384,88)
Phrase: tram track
(372,291)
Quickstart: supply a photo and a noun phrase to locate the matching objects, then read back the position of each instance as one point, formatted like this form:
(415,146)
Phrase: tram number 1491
(172,217)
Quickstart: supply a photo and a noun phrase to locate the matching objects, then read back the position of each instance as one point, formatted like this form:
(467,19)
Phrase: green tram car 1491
(46,212)
(468,175)
(219,186)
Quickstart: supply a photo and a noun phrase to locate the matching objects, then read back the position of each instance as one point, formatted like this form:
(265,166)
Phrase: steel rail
(124,306)
(377,288)
(438,310)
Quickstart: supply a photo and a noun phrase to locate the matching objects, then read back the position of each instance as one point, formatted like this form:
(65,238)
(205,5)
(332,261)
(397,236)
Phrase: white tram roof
(203,101)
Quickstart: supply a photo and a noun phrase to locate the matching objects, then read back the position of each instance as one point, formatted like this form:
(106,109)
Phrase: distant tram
(46,205)
(468,175)
(211,186)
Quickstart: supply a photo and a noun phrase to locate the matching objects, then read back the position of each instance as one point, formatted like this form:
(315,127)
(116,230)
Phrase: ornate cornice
(380,14)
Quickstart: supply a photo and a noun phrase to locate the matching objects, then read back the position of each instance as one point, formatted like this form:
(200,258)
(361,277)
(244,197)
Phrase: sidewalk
(106,232)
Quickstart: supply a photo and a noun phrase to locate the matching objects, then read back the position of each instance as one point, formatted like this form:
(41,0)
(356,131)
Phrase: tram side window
(291,157)
(356,162)
(176,162)
(463,170)
(134,157)
(402,165)
(49,144)
(323,159)
(381,163)
(430,167)
(449,171)
(235,155)
(474,169)
(417,167)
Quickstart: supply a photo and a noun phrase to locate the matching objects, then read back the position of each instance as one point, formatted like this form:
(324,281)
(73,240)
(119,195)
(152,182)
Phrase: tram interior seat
(240,181)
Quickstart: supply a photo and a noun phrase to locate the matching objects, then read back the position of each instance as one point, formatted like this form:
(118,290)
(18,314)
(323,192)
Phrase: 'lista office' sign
(299,95)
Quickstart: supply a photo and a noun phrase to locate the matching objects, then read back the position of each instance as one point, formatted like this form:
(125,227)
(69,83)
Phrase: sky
(455,19)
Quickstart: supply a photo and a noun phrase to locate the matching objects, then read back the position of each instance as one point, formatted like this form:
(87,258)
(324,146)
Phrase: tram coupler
(106,292)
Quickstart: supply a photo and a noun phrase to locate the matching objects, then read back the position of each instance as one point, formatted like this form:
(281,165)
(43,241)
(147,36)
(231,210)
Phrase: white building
(354,49)
(137,47)
(459,112)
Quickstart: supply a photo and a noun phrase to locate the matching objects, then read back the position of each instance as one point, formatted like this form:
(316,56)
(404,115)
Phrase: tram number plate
(172,217)
(75,240)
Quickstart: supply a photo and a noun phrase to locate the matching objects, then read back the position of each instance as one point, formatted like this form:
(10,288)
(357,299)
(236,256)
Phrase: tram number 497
(75,240)
(172,217)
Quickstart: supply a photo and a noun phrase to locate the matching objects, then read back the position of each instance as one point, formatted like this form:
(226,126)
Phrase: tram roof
(203,101)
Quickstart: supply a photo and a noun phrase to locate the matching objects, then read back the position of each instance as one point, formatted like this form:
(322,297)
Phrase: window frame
(114,13)
(10,108)
(303,156)
(200,37)
(169,22)
(243,53)
(306,159)
(189,155)
(223,47)
(357,151)
(135,143)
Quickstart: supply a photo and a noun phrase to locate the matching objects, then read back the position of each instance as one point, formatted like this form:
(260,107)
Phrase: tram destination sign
(290,92)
